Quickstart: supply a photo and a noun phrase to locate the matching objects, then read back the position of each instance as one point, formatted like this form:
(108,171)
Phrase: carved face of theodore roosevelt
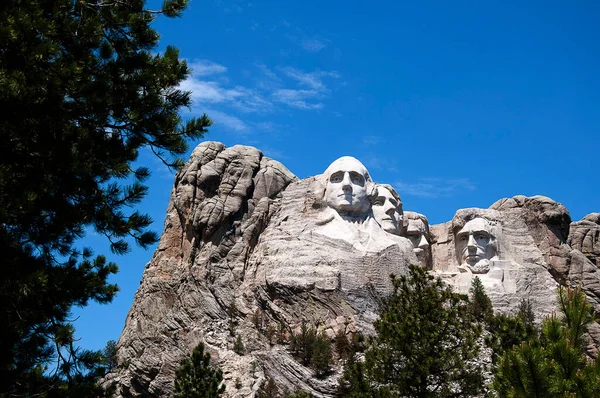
(348,185)
(418,233)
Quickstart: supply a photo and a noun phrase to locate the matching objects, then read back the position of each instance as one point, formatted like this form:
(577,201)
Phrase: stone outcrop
(246,245)
(584,236)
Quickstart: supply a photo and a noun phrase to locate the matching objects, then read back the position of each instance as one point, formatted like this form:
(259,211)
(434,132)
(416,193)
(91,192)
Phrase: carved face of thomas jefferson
(475,242)
(348,185)
(387,209)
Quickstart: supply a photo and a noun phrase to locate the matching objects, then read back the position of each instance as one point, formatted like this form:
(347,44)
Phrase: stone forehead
(416,225)
(411,215)
(382,188)
(347,163)
(476,224)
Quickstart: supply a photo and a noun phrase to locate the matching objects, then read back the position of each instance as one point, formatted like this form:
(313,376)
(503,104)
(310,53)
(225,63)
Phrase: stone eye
(336,178)
(356,179)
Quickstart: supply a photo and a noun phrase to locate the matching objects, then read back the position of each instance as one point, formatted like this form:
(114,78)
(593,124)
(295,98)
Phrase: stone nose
(471,244)
(346,181)
(423,244)
(389,208)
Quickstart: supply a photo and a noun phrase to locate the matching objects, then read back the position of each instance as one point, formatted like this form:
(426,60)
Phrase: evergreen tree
(552,363)
(507,331)
(342,345)
(197,378)
(281,332)
(82,91)
(480,303)
(321,356)
(303,343)
(425,344)
(238,346)
(269,389)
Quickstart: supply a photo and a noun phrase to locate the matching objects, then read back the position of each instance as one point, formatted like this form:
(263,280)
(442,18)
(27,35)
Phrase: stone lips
(241,229)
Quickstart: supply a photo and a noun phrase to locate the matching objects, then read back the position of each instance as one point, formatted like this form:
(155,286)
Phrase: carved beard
(480,267)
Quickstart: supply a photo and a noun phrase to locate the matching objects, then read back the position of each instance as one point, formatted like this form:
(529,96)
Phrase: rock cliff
(246,246)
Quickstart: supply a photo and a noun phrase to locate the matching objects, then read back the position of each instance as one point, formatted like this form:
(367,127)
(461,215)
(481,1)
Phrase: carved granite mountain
(246,245)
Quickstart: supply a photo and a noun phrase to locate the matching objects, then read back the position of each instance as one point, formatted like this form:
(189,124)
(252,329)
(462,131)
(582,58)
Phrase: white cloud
(226,120)
(434,187)
(213,92)
(313,80)
(313,45)
(210,91)
(267,72)
(206,68)
(210,88)
(297,98)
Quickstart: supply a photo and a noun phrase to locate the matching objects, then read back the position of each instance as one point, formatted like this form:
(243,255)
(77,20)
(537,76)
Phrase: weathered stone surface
(533,256)
(516,269)
(584,236)
(243,232)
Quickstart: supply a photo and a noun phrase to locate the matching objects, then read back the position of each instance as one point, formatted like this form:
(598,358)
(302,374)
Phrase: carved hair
(413,215)
(389,188)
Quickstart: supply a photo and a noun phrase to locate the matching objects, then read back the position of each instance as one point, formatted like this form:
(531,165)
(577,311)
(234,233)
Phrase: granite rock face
(584,236)
(245,239)
(533,256)
(247,246)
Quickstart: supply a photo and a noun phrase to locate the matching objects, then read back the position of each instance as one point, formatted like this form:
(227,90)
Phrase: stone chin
(389,226)
(479,267)
(352,204)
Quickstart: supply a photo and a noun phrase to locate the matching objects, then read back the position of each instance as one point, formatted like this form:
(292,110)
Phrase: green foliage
(321,355)
(110,355)
(480,303)
(552,363)
(238,346)
(342,345)
(425,344)
(197,378)
(312,349)
(355,381)
(82,91)
(302,344)
(507,331)
(269,389)
(232,314)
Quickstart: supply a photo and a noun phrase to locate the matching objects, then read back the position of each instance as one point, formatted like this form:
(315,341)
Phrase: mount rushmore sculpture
(242,232)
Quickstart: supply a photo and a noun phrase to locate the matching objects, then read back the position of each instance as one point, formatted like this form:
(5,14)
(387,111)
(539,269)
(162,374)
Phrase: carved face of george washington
(348,185)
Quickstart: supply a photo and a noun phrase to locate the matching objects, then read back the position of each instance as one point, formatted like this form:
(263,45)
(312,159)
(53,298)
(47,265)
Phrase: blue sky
(455,103)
